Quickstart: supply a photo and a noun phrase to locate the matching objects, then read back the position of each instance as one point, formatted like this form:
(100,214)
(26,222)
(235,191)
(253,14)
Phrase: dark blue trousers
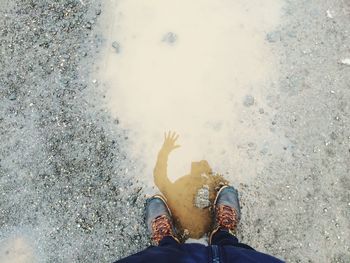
(225,248)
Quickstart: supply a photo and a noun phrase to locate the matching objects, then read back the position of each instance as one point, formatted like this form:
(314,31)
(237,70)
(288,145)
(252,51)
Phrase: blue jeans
(220,238)
(224,248)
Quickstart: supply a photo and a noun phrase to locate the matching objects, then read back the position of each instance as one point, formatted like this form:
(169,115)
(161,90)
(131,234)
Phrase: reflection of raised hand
(160,170)
(170,142)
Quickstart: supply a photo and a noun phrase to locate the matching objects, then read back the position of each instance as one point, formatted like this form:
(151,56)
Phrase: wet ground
(189,198)
(194,63)
(72,184)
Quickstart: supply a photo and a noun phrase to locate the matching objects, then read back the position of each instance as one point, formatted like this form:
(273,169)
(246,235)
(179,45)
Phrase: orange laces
(161,227)
(226,217)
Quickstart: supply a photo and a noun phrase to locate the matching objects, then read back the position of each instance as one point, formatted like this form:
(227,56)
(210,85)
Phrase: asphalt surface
(69,186)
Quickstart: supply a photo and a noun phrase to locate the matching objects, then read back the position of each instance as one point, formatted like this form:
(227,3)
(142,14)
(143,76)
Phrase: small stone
(248,101)
(98,12)
(202,197)
(261,111)
(334,136)
(273,37)
(329,14)
(12,96)
(170,38)
(186,232)
(116,46)
(88,25)
(264,150)
(292,34)
(345,61)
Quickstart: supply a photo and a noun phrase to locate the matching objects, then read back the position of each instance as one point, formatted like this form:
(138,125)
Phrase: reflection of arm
(160,171)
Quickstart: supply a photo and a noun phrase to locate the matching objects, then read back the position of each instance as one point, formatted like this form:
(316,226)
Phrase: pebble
(274,36)
(292,34)
(264,150)
(202,197)
(334,136)
(248,101)
(12,96)
(116,46)
(345,61)
(329,14)
(88,25)
(170,38)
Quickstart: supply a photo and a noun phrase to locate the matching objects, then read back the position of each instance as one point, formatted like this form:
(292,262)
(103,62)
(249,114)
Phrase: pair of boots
(226,215)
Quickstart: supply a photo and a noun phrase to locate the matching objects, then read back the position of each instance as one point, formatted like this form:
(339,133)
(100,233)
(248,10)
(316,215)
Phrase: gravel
(299,205)
(62,164)
(69,186)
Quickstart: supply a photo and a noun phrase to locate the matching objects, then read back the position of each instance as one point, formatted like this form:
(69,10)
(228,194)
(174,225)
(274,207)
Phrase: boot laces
(161,227)
(226,217)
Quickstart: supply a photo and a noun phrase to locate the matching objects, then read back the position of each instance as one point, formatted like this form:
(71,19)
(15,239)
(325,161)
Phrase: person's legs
(168,241)
(223,237)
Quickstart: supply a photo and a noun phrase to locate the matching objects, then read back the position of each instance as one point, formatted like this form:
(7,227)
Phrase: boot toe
(155,207)
(228,195)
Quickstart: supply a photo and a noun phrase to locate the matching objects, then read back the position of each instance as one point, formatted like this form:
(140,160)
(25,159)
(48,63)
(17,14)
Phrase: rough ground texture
(67,183)
(62,170)
(299,207)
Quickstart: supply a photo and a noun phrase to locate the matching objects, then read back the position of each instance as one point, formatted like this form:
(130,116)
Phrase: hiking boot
(158,219)
(227,212)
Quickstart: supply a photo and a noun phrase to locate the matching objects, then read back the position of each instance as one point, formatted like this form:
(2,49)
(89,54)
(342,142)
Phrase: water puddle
(189,197)
(202,68)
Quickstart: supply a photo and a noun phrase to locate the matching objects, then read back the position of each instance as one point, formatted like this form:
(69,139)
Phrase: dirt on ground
(70,190)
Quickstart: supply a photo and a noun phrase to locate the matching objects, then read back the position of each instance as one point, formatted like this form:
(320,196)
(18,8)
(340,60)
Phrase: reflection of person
(223,245)
(183,191)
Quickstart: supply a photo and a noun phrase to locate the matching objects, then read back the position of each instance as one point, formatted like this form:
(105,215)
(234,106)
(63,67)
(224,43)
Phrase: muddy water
(192,218)
(189,66)
(190,221)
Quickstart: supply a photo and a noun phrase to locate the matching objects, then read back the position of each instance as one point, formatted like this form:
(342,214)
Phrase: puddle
(202,68)
(192,215)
